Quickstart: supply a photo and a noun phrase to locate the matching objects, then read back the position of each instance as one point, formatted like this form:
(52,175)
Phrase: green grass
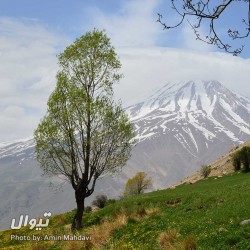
(209,211)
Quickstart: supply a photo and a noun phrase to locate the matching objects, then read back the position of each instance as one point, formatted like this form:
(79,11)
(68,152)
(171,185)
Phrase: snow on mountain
(205,106)
(17,148)
(178,128)
(184,125)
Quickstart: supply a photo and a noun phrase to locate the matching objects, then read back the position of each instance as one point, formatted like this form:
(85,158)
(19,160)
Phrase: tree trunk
(77,221)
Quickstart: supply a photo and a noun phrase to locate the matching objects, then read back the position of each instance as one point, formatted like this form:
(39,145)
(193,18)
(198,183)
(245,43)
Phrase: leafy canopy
(84,133)
(138,184)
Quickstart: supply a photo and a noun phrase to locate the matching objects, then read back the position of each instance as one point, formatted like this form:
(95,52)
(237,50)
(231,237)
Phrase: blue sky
(73,18)
(33,32)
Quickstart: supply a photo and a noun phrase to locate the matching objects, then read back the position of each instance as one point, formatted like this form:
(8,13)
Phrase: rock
(95,208)
(245,222)
(222,229)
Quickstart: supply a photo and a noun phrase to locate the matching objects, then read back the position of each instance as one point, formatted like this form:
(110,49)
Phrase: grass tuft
(101,233)
(167,239)
(74,245)
(189,243)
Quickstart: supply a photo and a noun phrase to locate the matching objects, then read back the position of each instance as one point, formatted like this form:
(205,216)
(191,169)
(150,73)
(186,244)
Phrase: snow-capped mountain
(178,128)
(184,125)
(189,108)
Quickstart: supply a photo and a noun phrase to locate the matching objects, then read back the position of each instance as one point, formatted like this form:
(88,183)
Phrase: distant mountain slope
(180,127)
(221,166)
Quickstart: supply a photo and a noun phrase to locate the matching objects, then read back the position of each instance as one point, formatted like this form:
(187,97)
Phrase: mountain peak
(187,96)
(205,106)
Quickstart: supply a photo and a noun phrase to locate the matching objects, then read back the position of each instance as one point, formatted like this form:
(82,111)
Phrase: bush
(88,209)
(242,158)
(100,201)
(245,158)
(205,171)
(236,161)
(138,184)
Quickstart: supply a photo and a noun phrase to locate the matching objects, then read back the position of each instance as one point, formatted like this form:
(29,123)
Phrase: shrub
(138,184)
(245,158)
(88,209)
(205,171)
(236,161)
(100,201)
(242,157)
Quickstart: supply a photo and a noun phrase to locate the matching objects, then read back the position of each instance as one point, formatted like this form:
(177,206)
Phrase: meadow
(205,215)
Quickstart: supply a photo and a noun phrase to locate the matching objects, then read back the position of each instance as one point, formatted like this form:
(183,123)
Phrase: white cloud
(148,69)
(190,42)
(133,26)
(14,111)
(28,63)
(28,66)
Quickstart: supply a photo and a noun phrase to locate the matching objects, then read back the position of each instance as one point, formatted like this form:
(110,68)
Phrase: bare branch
(204,10)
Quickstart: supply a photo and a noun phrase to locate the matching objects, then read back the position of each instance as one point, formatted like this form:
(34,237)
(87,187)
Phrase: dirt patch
(173,203)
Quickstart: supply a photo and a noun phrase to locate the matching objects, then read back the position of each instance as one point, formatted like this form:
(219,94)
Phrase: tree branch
(202,10)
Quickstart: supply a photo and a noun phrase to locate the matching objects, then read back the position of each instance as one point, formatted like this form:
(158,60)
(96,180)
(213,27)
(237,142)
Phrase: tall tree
(138,184)
(210,12)
(84,134)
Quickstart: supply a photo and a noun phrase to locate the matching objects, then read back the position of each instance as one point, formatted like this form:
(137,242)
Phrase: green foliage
(91,219)
(88,209)
(138,184)
(245,158)
(83,124)
(85,134)
(110,201)
(236,161)
(100,201)
(241,159)
(205,171)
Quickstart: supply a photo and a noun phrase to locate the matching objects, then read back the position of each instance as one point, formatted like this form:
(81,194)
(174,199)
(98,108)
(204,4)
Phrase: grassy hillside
(205,215)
